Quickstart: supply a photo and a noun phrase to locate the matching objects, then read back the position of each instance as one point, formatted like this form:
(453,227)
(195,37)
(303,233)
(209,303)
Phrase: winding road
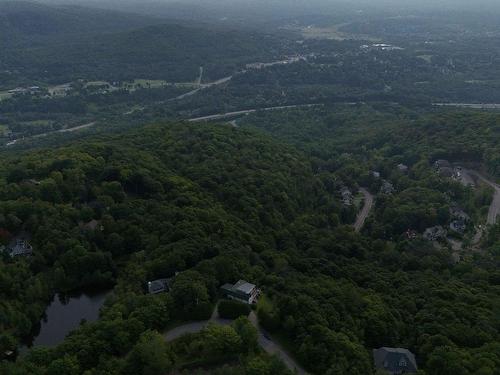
(365,211)
(263,339)
(494,210)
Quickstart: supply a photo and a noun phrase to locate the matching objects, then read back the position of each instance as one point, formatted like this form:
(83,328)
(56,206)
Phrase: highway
(221,116)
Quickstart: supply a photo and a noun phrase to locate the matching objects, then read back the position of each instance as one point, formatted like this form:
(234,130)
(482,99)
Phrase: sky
(285,8)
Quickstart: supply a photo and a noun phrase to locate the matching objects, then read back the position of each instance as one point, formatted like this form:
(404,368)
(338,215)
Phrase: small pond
(64,315)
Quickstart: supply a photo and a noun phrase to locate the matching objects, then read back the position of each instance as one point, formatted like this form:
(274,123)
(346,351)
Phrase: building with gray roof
(242,291)
(395,361)
(159,286)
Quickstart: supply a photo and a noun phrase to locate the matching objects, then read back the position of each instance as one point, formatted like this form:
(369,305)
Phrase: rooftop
(244,286)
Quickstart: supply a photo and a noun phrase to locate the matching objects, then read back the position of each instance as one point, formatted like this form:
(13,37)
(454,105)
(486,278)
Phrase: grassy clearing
(333,33)
(3,129)
(5,95)
(427,58)
(38,123)
(358,200)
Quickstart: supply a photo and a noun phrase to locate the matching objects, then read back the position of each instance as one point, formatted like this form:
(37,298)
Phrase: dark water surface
(64,315)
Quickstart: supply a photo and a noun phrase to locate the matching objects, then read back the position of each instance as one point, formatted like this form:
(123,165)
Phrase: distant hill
(29,19)
(58,44)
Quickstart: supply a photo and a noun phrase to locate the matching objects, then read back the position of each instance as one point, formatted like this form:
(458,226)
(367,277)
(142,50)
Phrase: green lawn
(4,95)
(3,129)
(38,123)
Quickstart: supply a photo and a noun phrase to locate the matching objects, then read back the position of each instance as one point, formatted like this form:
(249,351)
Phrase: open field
(4,95)
(332,33)
(3,129)
(38,123)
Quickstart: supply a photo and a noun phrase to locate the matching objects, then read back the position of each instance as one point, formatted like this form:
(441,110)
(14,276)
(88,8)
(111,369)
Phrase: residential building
(395,361)
(347,197)
(458,226)
(21,247)
(403,168)
(242,291)
(387,188)
(438,164)
(434,233)
(159,286)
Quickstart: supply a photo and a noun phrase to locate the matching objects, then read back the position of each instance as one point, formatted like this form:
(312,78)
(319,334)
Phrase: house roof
(244,286)
(390,358)
(158,285)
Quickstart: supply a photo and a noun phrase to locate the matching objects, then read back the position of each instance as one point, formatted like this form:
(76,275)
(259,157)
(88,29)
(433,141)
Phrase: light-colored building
(242,291)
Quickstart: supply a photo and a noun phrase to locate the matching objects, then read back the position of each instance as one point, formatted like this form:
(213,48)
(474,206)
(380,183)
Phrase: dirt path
(263,339)
(365,211)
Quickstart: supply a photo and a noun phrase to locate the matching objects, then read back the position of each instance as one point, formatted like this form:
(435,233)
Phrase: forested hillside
(62,44)
(217,204)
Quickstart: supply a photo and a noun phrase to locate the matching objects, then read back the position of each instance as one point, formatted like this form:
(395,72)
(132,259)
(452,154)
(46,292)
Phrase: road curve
(266,343)
(494,210)
(365,211)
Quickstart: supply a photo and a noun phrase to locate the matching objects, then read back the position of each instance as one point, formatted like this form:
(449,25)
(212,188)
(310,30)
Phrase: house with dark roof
(21,247)
(395,361)
(434,233)
(159,286)
(438,164)
(242,291)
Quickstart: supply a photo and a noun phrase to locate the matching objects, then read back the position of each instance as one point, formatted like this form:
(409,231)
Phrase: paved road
(200,77)
(274,348)
(494,210)
(68,130)
(202,87)
(266,343)
(220,116)
(365,211)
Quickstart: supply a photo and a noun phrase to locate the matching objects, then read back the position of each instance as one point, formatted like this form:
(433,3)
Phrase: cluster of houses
(289,60)
(241,291)
(458,224)
(445,169)
(459,220)
(393,361)
(380,47)
(25,90)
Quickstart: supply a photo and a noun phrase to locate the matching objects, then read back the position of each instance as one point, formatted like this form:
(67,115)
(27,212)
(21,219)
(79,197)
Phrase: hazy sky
(289,7)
